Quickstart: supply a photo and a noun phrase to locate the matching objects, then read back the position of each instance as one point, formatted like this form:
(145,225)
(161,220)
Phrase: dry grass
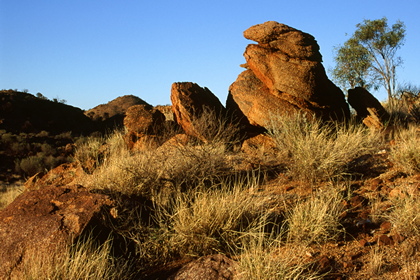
(84,260)
(265,257)
(405,154)
(199,221)
(316,218)
(405,215)
(377,264)
(8,194)
(316,151)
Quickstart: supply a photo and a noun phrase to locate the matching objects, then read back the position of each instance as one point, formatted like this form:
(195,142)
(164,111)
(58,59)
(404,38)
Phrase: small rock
(384,240)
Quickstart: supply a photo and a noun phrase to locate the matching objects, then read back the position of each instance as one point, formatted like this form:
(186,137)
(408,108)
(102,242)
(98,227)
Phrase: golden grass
(317,218)
(405,154)
(316,151)
(82,261)
(265,257)
(8,194)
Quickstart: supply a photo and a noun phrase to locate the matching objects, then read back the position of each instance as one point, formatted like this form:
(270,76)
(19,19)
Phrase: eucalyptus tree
(369,58)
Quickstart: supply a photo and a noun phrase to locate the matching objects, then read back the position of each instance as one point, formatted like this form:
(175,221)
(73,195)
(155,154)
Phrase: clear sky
(89,52)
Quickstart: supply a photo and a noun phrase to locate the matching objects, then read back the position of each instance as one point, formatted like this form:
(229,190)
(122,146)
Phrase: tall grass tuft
(82,261)
(405,154)
(265,257)
(315,151)
(317,218)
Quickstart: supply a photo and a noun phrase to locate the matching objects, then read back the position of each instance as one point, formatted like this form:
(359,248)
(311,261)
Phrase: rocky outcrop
(44,222)
(368,108)
(142,120)
(214,267)
(145,127)
(190,102)
(61,175)
(285,75)
(112,114)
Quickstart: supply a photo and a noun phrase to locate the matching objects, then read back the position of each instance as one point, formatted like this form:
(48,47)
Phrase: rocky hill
(111,114)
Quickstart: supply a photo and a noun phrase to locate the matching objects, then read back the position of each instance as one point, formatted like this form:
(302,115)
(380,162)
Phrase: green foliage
(369,56)
(353,66)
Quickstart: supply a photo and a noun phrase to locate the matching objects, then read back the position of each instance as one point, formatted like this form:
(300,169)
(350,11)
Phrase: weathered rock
(285,75)
(62,175)
(145,127)
(214,267)
(45,221)
(292,42)
(258,104)
(368,108)
(167,111)
(190,102)
(259,144)
(143,120)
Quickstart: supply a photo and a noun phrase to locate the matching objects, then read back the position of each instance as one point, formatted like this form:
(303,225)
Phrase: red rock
(45,221)
(62,175)
(214,267)
(368,108)
(287,77)
(141,120)
(384,240)
(385,227)
(190,102)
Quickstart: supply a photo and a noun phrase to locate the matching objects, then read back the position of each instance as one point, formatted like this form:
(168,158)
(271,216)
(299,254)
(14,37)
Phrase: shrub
(30,165)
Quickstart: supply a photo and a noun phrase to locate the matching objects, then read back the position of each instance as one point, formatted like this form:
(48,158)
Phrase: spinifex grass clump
(405,154)
(83,260)
(265,256)
(317,218)
(315,151)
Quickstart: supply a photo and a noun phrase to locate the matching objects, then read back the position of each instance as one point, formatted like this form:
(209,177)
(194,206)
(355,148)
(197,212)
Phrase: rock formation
(146,127)
(190,102)
(44,222)
(368,108)
(284,75)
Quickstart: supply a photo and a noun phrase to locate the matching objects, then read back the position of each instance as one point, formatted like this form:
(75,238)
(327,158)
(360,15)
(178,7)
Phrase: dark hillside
(23,112)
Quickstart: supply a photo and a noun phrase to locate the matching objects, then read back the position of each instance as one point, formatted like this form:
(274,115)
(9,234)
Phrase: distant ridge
(24,112)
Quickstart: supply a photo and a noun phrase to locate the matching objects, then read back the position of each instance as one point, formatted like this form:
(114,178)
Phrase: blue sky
(89,52)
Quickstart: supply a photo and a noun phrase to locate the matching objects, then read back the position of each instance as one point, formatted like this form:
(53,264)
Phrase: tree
(369,58)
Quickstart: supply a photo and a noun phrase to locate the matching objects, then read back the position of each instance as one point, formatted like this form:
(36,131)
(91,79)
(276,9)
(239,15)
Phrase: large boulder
(141,120)
(285,76)
(146,127)
(368,108)
(190,102)
(45,222)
